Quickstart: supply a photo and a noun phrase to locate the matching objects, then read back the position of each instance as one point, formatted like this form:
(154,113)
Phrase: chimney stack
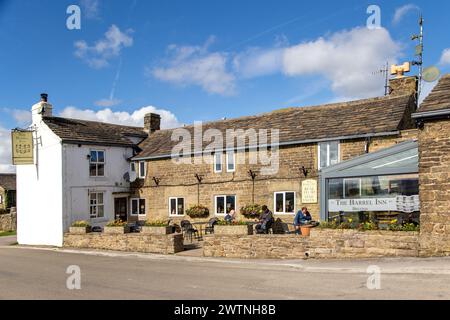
(41,109)
(152,122)
(403,86)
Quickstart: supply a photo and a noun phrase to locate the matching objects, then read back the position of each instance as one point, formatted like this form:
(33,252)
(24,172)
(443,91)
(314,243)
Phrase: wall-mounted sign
(309,191)
(22,147)
(368,204)
(399,204)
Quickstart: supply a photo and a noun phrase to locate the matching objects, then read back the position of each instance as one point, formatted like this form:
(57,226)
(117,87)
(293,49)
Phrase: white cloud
(22,117)
(445,58)
(256,62)
(168,119)
(98,55)
(107,102)
(402,11)
(346,58)
(195,65)
(90,8)
(5,151)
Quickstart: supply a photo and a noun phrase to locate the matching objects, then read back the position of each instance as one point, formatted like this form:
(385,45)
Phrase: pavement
(40,273)
(8,240)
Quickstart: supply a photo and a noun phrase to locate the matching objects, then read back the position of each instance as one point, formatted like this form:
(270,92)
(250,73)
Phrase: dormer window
(97,163)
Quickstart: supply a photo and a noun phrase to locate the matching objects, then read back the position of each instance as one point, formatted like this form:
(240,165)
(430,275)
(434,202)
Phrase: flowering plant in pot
(198,211)
(117,227)
(252,211)
(160,227)
(80,227)
(233,228)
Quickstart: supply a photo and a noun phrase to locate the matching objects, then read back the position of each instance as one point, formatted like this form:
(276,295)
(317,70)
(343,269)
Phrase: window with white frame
(231,161)
(224,204)
(218,162)
(97,163)
(137,207)
(328,154)
(142,169)
(176,206)
(97,206)
(284,202)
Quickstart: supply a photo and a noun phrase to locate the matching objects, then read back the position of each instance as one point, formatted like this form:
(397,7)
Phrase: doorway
(120,209)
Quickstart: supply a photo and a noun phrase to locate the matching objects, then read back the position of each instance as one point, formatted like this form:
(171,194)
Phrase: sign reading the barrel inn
(369,204)
(406,204)
(22,147)
(309,191)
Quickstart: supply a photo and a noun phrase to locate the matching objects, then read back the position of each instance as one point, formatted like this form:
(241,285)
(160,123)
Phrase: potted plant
(117,227)
(306,229)
(252,211)
(158,227)
(241,228)
(198,211)
(80,227)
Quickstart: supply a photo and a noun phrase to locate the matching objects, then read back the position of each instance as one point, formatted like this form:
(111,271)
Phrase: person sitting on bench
(301,218)
(265,220)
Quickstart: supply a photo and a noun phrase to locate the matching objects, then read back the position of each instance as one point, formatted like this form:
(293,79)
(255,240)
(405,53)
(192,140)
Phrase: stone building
(310,139)
(7,191)
(433,120)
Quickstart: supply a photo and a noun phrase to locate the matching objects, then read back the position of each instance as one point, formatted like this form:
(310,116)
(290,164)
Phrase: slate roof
(8,181)
(92,132)
(377,116)
(439,98)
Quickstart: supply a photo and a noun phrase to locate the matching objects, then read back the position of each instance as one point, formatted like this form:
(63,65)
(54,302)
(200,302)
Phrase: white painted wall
(39,192)
(78,184)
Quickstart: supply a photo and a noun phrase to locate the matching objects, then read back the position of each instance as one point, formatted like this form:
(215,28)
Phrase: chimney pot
(152,122)
(44,97)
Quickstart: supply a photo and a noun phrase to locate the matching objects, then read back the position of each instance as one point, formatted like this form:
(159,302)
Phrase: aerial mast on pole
(419,55)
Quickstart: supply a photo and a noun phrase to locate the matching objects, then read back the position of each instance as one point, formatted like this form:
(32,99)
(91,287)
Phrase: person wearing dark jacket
(265,220)
(301,218)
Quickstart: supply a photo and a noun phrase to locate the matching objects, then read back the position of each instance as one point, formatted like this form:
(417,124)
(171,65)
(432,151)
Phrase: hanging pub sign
(309,191)
(22,147)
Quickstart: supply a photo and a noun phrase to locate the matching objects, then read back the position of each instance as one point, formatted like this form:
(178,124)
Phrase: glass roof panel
(406,158)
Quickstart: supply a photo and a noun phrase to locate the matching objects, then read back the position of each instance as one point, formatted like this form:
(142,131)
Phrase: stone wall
(434,179)
(3,199)
(323,243)
(255,246)
(331,243)
(132,242)
(8,222)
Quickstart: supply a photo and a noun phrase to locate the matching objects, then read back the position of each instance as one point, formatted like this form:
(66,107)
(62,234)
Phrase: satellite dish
(431,74)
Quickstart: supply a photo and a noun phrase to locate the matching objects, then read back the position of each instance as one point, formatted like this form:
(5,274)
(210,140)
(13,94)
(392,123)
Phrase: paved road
(30,273)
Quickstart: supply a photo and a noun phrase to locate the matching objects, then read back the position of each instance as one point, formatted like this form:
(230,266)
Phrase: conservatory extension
(382,186)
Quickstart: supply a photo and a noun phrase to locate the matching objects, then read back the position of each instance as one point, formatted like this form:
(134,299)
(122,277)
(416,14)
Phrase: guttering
(431,114)
(93,143)
(281,144)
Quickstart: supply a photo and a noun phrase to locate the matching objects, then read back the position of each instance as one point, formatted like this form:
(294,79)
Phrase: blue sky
(201,60)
